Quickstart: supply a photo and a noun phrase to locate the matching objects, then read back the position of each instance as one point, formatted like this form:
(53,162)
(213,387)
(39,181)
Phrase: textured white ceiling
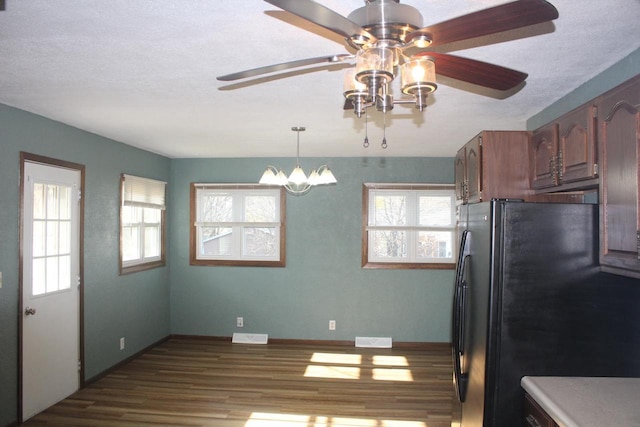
(144,73)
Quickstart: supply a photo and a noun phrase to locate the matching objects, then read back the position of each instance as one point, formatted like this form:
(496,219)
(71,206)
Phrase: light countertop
(587,401)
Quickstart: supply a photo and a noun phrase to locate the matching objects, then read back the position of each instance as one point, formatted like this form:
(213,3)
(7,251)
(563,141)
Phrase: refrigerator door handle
(457,296)
(463,315)
(459,305)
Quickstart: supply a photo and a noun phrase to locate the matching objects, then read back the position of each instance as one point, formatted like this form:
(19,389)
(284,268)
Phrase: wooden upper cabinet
(565,151)
(619,135)
(544,151)
(494,164)
(577,145)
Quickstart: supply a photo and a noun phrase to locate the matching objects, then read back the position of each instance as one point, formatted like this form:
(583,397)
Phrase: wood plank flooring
(195,382)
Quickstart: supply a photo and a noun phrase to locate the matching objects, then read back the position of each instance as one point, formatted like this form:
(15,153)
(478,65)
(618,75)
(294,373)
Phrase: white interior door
(50,286)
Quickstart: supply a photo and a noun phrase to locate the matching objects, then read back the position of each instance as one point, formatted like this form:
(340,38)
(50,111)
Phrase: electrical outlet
(332,325)
(239,322)
(122,343)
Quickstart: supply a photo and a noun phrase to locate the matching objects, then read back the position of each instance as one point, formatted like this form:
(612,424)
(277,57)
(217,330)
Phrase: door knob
(29,311)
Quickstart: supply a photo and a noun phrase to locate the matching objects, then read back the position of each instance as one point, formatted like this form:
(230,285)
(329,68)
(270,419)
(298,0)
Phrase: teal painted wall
(134,306)
(323,279)
(610,78)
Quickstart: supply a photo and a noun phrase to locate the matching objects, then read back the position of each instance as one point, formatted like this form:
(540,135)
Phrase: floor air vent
(374,342)
(250,338)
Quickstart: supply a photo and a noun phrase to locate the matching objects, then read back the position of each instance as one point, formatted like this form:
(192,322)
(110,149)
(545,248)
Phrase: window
(142,224)
(408,226)
(236,224)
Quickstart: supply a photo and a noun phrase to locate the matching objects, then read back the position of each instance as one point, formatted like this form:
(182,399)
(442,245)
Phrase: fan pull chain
(365,144)
(384,131)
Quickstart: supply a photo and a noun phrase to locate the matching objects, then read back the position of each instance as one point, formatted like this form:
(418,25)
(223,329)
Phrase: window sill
(141,267)
(408,266)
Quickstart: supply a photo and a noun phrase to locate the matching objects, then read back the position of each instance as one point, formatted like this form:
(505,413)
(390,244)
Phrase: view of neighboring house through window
(236,224)
(142,224)
(408,226)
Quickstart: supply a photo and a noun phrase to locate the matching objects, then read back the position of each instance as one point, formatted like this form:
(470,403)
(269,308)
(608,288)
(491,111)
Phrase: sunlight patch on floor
(333,367)
(264,419)
(345,359)
(341,372)
(390,361)
(392,374)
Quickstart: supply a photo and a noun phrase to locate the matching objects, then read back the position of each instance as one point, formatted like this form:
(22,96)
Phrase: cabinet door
(534,415)
(460,174)
(619,129)
(473,154)
(543,155)
(577,145)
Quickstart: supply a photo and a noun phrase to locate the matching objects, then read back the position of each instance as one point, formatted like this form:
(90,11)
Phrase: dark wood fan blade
(1,4)
(323,16)
(505,17)
(283,66)
(476,72)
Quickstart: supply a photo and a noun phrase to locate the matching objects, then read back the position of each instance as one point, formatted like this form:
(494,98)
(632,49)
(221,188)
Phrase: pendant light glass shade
(418,74)
(374,62)
(351,85)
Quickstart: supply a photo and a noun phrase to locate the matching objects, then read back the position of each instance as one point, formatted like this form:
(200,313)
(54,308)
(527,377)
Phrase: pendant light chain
(384,131)
(365,144)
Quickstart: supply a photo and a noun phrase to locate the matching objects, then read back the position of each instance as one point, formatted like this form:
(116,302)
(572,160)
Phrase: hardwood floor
(196,382)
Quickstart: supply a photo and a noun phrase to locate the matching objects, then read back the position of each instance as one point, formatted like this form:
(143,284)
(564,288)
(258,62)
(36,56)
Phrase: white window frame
(142,193)
(239,194)
(411,227)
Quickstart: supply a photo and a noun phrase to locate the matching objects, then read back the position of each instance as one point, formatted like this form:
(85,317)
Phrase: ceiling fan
(389,38)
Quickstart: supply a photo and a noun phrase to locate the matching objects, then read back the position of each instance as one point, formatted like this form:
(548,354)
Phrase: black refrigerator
(529,299)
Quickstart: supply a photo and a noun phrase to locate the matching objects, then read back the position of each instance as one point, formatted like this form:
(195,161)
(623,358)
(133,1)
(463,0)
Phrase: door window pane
(52,274)
(39,276)
(39,238)
(65,272)
(52,202)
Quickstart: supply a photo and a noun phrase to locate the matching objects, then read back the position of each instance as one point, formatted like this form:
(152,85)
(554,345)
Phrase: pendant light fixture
(298,183)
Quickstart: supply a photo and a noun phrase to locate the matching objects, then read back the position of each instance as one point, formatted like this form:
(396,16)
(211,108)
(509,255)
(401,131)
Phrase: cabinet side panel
(506,165)
(619,134)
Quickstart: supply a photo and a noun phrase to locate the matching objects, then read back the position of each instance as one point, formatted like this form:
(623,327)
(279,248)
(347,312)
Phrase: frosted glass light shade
(326,177)
(298,176)
(269,177)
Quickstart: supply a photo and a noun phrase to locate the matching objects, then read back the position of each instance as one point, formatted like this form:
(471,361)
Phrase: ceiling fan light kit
(297,183)
(390,39)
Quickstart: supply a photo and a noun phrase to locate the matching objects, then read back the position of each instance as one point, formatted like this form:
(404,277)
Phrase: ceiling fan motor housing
(388,20)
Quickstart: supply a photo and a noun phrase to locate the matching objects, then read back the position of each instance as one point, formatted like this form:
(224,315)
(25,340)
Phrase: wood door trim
(49,161)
